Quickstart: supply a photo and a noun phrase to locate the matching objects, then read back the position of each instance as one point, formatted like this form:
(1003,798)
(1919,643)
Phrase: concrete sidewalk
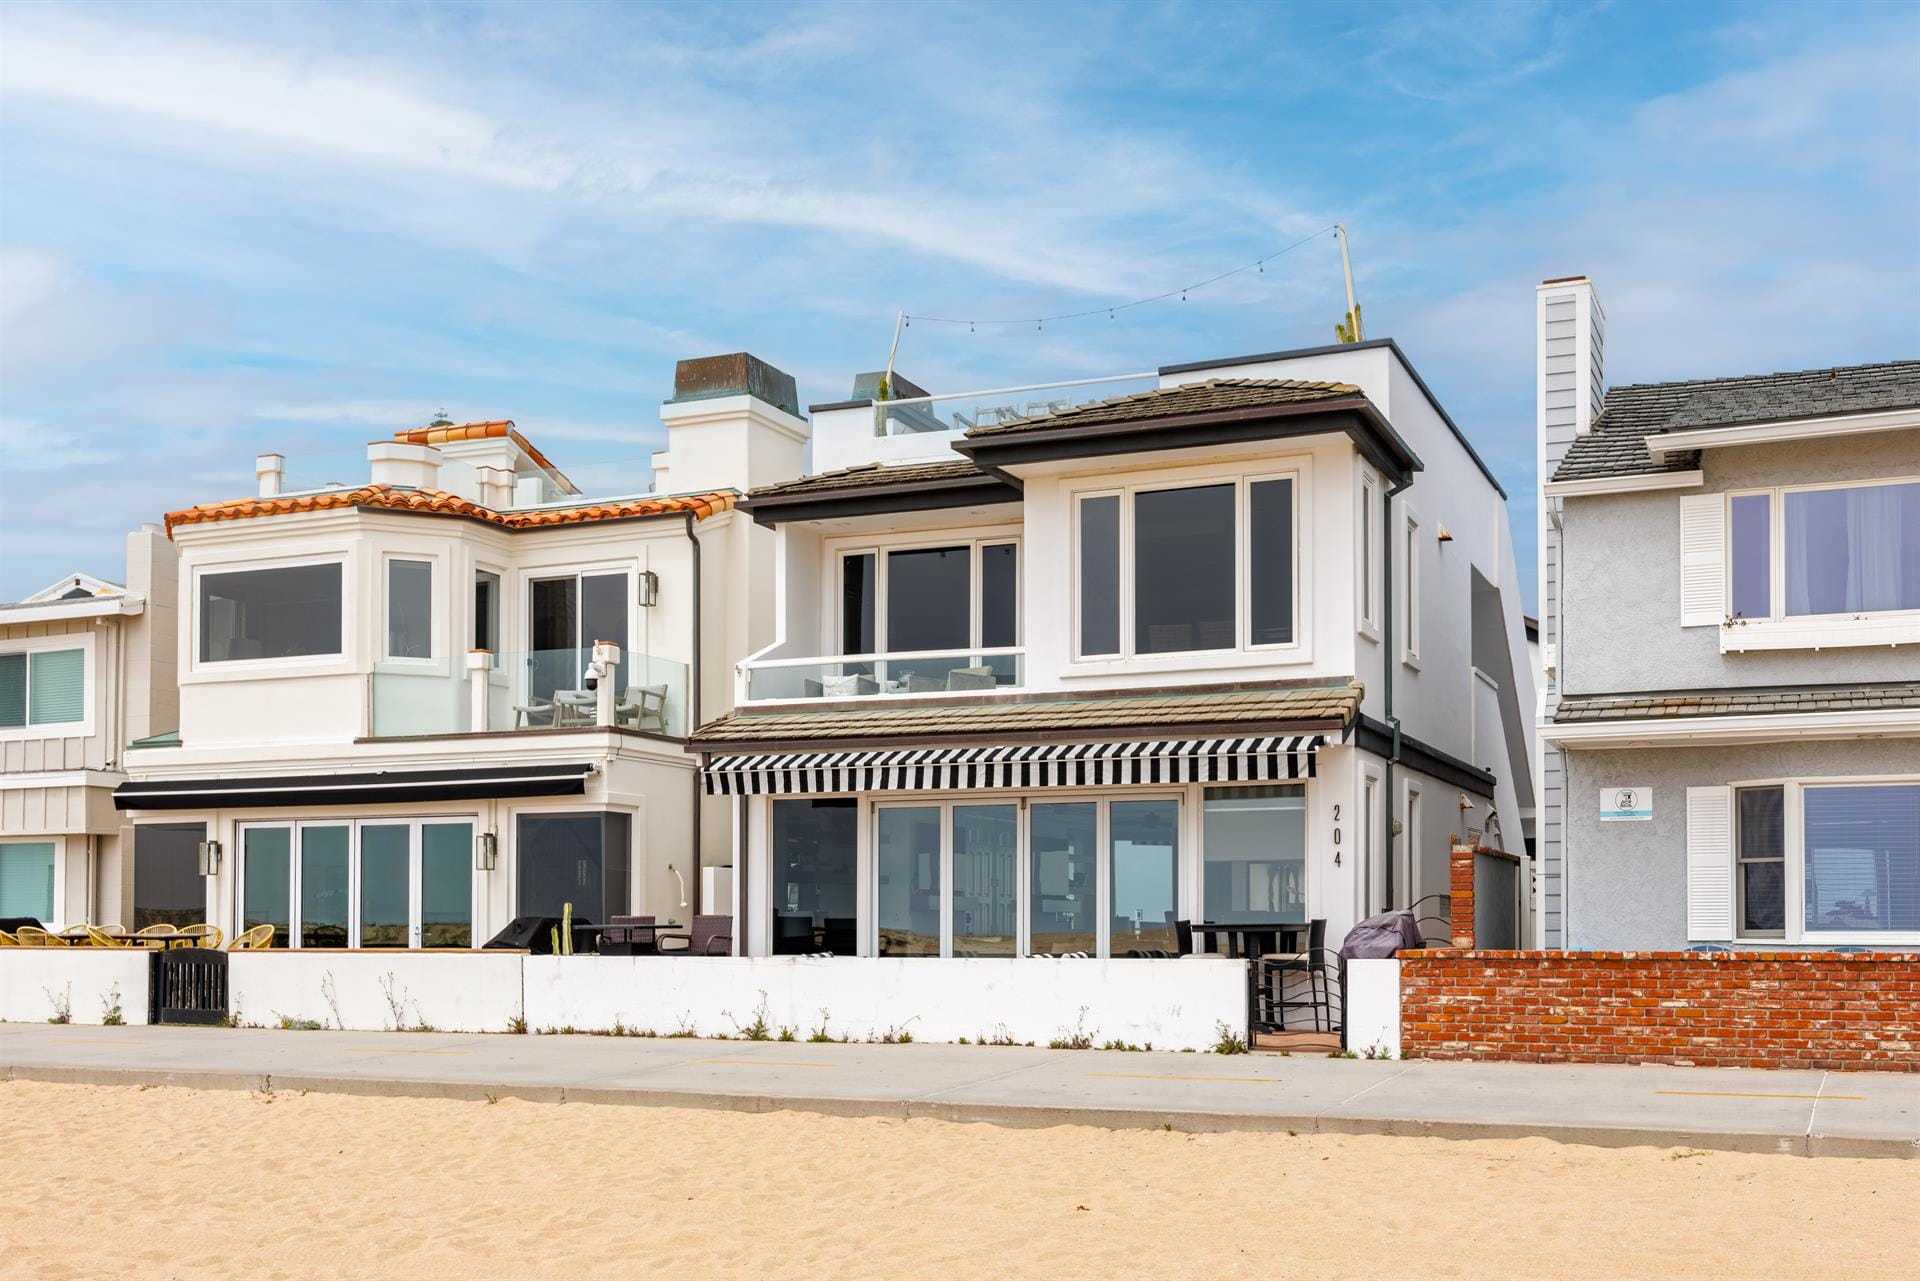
(1805,1113)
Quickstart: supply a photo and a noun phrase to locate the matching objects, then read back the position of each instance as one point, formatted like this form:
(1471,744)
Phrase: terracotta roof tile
(489,430)
(440,503)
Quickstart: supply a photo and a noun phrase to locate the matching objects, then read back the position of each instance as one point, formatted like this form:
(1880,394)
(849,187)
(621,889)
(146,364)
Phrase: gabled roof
(492,429)
(435,502)
(76,586)
(1166,402)
(1616,446)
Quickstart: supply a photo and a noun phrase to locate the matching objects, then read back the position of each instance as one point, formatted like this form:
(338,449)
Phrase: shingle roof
(495,428)
(1616,446)
(1032,716)
(1778,701)
(440,503)
(1168,402)
(870,475)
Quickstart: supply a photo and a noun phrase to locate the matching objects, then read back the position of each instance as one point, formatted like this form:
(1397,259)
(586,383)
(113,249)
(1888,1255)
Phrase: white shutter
(1703,560)
(1709,863)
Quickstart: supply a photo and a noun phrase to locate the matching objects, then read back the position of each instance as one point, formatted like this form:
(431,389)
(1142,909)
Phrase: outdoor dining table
(1252,939)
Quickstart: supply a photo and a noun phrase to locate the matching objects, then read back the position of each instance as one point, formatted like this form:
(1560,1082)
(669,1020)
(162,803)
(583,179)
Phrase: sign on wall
(1626,804)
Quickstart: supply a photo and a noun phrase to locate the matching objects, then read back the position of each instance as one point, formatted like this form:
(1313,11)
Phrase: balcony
(972,671)
(525,690)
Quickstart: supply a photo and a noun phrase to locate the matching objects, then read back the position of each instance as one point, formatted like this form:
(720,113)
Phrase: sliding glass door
(385,883)
(986,880)
(567,613)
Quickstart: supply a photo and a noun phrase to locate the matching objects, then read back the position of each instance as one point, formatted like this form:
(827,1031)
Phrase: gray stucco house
(1730,597)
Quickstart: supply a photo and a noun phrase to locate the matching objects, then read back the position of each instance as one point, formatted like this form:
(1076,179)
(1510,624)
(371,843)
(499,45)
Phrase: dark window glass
(1270,559)
(857,594)
(1183,570)
(1761,837)
(813,876)
(409,609)
(1752,556)
(323,886)
(1100,575)
(13,690)
(270,613)
(552,636)
(580,859)
(999,595)
(1254,853)
(603,617)
(486,611)
(1064,839)
(167,889)
(929,599)
(907,892)
(385,915)
(446,885)
(266,875)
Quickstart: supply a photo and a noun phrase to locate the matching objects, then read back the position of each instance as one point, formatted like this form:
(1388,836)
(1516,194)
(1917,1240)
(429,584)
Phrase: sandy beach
(162,1183)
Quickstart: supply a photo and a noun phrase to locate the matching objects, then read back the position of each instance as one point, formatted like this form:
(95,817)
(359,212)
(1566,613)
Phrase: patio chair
(918,684)
(535,713)
(201,936)
(792,935)
(628,936)
(155,935)
(645,706)
(7,940)
(34,936)
(710,936)
(101,938)
(258,938)
(1315,966)
(573,707)
(841,936)
(972,678)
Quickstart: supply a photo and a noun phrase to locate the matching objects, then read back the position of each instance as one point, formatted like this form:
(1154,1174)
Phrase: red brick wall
(1718,1009)
(1460,895)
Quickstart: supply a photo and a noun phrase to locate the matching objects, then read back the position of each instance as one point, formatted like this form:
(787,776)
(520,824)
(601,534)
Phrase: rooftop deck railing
(962,411)
(984,670)
(524,690)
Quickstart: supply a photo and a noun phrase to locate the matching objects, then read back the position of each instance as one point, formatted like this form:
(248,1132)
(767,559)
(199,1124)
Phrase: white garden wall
(1172,1004)
(36,982)
(1372,995)
(448,991)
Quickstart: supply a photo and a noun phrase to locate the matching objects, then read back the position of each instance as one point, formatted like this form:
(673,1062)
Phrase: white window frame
(501,579)
(1369,840)
(1793,817)
(89,700)
(436,614)
(415,864)
(976,584)
(1297,472)
(1366,552)
(1777,551)
(331,661)
(1410,584)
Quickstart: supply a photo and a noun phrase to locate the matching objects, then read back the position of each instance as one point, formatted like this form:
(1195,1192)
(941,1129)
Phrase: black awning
(377,787)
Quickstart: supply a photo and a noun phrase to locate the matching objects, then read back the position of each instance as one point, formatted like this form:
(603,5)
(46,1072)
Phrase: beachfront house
(1730,599)
(85,666)
(1070,670)
(413,709)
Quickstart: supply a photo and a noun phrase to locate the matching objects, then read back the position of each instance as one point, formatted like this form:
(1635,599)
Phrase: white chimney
(1571,354)
(407,466)
(271,471)
(496,487)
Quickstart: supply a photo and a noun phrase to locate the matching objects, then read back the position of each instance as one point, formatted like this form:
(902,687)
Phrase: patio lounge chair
(710,936)
(972,678)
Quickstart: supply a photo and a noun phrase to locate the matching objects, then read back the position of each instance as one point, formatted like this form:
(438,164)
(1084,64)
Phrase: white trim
(60,610)
(1773,727)
(1366,553)
(437,616)
(61,778)
(1623,484)
(1660,444)
(1409,534)
(329,663)
(415,825)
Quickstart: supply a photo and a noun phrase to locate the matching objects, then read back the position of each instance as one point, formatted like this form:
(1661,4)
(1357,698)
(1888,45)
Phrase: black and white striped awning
(1034,765)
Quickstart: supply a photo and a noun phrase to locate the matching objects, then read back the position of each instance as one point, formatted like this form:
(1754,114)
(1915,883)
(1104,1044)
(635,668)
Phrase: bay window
(288,611)
(1187,569)
(1831,550)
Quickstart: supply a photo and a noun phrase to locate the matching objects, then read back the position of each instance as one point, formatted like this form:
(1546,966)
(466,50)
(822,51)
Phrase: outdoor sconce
(486,852)
(209,858)
(649,588)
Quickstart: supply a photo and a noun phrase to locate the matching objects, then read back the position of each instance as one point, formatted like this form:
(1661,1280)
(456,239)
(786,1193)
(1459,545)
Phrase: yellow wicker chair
(155,935)
(201,936)
(34,936)
(259,938)
(7,940)
(100,938)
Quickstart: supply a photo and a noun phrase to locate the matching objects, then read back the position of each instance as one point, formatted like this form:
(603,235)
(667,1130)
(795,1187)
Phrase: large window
(409,609)
(1064,843)
(814,878)
(43,687)
(567,615)
(582,859)
(1862,858)
(907,864)
(986,880)
(1255,853)
(167,886)
(291,611)
(371,883)
(942,601)
(1831,550)
(1187,569)
(1143,843)
(26,880)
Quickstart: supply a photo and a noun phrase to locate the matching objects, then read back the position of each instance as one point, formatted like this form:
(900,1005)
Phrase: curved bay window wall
(368,883)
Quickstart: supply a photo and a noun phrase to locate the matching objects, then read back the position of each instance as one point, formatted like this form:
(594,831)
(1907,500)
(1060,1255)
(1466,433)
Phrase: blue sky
(230,229)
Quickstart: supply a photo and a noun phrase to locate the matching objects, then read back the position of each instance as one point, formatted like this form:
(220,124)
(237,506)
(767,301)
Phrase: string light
(1259,265)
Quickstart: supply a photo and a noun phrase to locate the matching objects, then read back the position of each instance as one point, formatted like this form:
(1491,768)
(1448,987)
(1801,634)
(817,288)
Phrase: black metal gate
(188,985)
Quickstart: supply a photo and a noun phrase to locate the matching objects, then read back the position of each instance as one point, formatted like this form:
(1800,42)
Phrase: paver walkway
(1808,1113)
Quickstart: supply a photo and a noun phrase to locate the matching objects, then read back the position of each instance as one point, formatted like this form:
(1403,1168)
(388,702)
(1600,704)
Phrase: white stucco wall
(377,991)
(1172,1004)
(1372,1009)
(36,982)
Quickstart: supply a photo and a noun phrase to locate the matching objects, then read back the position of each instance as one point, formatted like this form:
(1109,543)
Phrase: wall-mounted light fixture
(486,852)
(649,588)
(209,858)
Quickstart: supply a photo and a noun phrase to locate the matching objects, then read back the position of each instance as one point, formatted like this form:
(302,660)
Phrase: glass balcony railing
(526,690)
(976,671)
(966,410)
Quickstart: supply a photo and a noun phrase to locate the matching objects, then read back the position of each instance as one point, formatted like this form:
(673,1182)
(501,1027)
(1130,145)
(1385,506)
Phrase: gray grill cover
(1381,936)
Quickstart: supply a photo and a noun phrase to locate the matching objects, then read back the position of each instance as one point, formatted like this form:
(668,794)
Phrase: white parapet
(73,984)
(1373,1008)
(371,991)
(1172,1004)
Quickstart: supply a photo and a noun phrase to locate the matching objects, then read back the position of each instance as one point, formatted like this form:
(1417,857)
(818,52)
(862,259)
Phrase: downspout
(1389,659)
(693,713)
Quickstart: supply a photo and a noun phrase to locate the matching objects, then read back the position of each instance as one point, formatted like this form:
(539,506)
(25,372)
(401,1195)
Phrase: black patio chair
(710,936)
(841,936)
(1314,970)
(792,935)
(629,936)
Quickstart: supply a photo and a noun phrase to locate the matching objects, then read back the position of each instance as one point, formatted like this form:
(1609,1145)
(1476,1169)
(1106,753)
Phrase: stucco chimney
(271,471)
(408,466)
